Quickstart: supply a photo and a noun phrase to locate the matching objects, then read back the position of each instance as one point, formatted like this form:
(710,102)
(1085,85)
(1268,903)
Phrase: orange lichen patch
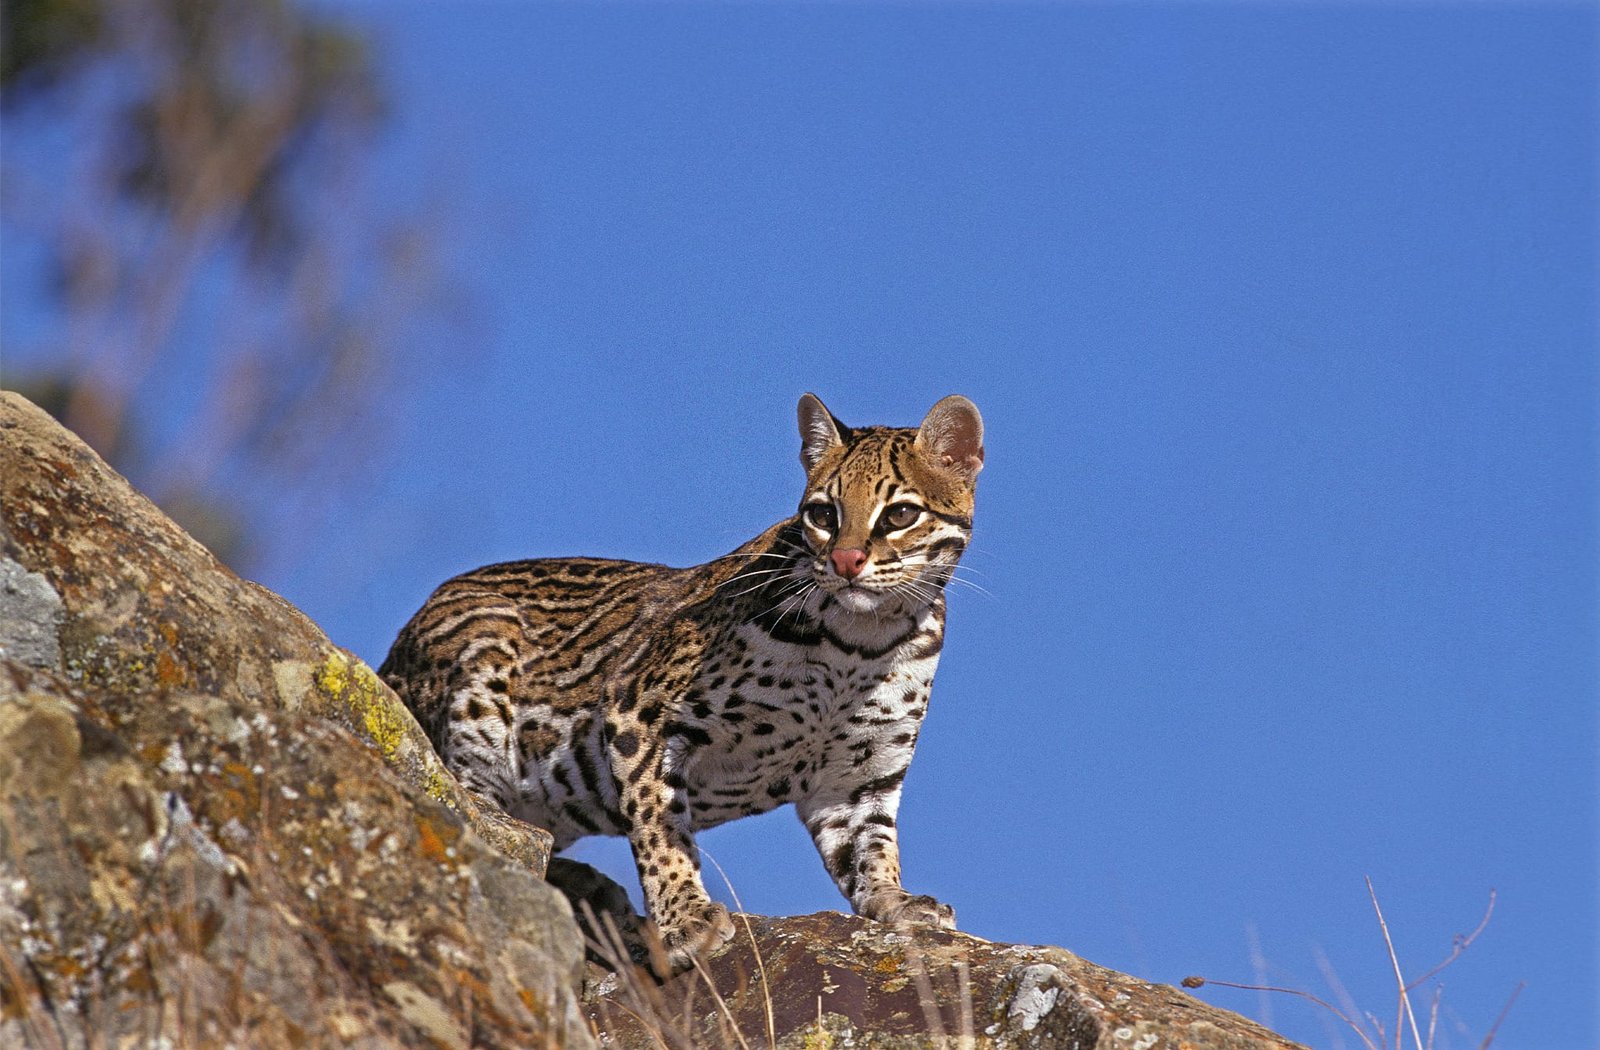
(888,964)
(168,672)
(140,980)
(238,774)
(473,985)
(237,791)
(433,847)
(535,1004)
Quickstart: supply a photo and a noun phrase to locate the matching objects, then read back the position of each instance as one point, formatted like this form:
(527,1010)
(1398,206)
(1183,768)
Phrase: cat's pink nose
(849,563)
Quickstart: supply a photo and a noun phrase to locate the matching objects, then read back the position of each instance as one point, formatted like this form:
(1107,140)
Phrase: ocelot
(599,697)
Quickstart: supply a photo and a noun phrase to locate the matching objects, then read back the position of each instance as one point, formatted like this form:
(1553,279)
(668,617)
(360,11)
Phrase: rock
(218,827)
(30,613)
(149,609)
(816,982)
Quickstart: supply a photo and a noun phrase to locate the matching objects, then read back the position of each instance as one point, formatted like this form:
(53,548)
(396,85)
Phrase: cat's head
(887,511)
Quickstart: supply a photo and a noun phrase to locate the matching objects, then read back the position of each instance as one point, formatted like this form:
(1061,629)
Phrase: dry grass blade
(668,1014)
(727,1014)
(1405,992)
(969,1035)
(1506,1009)
(29,996)
(1461,944)
(1199,982)
(644,1004)
(925,995)
(755,949)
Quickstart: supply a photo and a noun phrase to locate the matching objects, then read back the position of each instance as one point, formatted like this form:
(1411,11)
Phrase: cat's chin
(861,600)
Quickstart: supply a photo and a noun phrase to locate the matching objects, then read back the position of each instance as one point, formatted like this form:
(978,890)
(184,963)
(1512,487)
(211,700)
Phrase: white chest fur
(789,721)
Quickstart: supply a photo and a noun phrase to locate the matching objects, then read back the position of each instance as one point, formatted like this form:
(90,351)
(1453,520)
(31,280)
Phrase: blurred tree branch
(224,310)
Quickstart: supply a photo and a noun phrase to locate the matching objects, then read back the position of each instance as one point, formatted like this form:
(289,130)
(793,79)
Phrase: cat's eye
(822,516)
(900,516)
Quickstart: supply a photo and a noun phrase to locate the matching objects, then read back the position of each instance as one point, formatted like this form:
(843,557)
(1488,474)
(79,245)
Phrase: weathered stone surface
(30,613)
(831,981)
(217,827)
(148,609)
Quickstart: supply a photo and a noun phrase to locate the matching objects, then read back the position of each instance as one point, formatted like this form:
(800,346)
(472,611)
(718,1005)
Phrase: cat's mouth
(866,593)
(857,596)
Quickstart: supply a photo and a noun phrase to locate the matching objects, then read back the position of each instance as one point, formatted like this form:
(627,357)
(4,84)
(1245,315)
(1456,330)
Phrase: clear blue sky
(1283,322)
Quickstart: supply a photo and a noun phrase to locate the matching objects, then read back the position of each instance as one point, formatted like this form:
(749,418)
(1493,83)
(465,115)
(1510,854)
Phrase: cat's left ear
(952,434)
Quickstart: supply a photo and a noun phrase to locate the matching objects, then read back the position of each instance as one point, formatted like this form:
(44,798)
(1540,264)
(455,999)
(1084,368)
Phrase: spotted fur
(597,697)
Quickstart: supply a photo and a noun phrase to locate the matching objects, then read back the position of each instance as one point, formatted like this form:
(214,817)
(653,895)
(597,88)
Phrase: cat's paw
(906,909)
(697,936)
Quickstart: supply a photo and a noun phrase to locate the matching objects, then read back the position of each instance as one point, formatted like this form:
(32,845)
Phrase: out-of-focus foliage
(220,292)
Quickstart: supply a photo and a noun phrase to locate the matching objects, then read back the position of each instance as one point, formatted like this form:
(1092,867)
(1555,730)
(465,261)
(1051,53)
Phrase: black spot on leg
(841,859)
(872,787)
(693,734)
(626,743)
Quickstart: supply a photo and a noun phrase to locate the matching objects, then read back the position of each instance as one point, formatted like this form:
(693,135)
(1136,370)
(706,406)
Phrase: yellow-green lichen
(438,788)
(333,675)
(353,683)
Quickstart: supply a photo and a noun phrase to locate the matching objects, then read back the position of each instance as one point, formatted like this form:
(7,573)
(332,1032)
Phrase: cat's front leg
(652,799)
(854,830)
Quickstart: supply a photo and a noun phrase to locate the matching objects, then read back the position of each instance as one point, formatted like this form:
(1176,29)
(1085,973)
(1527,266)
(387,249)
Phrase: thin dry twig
(32,998)
(1331,977)
(1405,993)
(722,1004)
(964,1004)
(1460,945)
(925,994)
(761,967)
(1404,1009)
(1200,982)
(1495,1028)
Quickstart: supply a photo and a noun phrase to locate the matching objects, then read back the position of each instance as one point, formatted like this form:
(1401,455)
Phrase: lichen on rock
(839,980)
(217,827)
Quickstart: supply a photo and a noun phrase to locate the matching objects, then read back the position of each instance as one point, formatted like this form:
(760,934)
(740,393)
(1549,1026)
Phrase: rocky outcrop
(219,828)
(825,981)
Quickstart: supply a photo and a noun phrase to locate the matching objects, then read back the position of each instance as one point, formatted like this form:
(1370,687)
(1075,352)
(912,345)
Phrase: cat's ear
(952,434)
(819,431)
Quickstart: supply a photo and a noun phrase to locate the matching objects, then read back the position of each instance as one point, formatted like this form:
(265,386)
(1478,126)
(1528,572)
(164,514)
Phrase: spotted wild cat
(598,697)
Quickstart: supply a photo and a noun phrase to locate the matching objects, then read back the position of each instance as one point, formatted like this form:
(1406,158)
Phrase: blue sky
(1282,319)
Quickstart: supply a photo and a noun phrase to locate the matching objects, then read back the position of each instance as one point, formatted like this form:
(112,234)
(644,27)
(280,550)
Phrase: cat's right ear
(819,431)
